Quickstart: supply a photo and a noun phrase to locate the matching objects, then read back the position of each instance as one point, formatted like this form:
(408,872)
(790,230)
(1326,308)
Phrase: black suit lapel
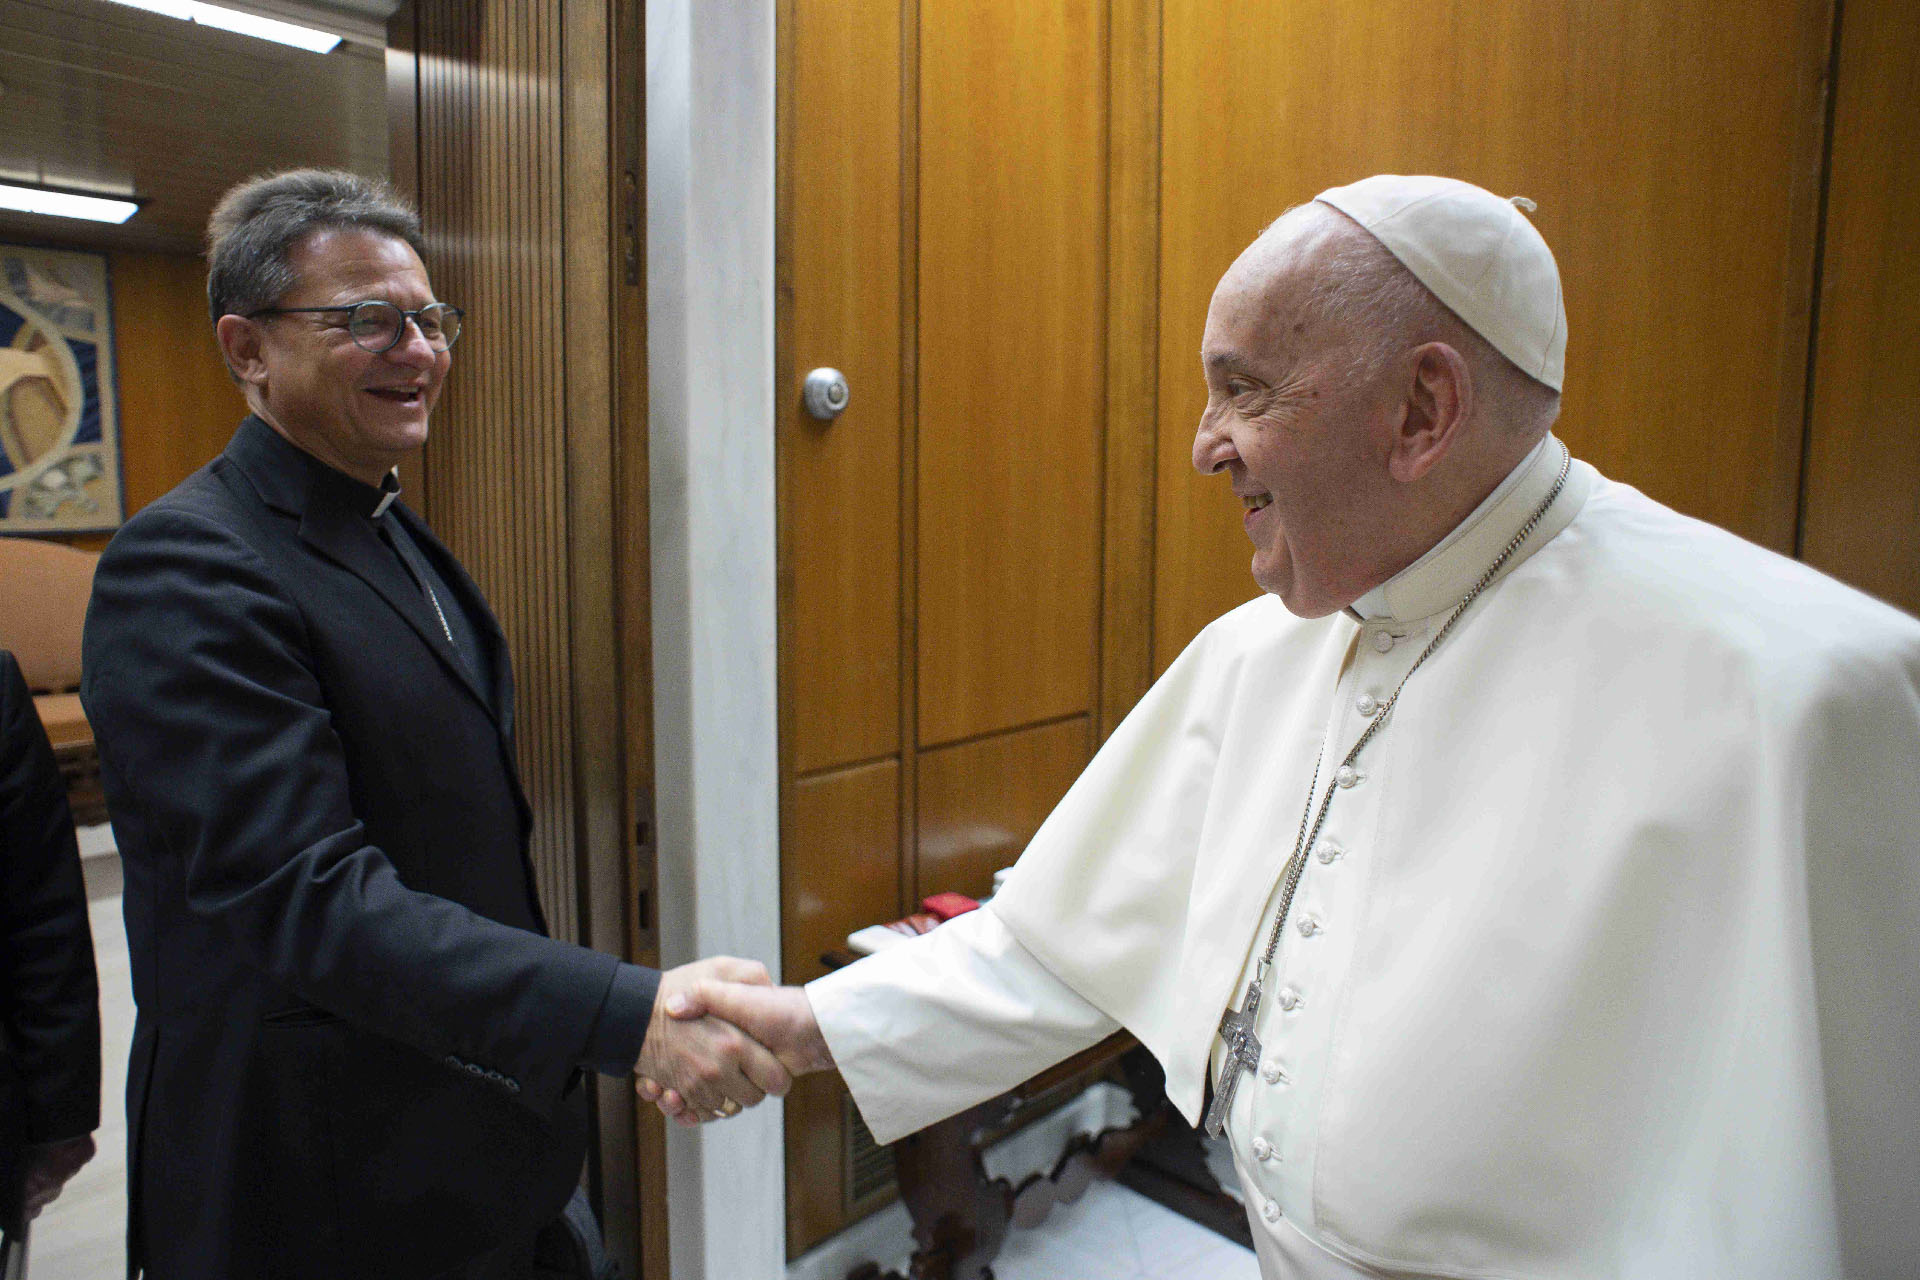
(349,541)
(454,574)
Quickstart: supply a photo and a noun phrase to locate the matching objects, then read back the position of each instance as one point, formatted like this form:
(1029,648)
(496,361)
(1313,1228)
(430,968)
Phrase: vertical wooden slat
(1012,317)
(494,177)
(1862,515)
(1132,411)
(839,264)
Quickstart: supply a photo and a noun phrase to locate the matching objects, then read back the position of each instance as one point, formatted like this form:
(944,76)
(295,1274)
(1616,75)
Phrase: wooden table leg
(960,1216)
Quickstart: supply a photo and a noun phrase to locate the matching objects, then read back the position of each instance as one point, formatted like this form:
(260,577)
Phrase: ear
(1439,403)
(241,342)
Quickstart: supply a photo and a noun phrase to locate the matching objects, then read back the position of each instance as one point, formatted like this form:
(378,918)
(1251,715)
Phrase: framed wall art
(59,420)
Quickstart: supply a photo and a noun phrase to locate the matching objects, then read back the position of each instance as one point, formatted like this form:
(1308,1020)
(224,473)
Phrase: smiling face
(358,411)
(1293,422)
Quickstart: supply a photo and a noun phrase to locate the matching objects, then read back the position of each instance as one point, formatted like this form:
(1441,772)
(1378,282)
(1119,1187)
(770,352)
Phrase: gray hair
(1363,292)
(256,226)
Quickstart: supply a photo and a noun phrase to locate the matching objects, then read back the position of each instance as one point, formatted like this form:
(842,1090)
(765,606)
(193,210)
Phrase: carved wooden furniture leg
(959,1216)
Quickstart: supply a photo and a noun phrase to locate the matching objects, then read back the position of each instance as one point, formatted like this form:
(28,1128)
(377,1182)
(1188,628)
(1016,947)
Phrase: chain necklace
(1236,1026)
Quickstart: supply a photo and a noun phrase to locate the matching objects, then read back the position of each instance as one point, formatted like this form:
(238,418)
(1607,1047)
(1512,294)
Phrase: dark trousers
(509,1262)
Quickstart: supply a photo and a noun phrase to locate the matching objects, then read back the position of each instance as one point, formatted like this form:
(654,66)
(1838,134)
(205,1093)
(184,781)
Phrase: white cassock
(1606,963)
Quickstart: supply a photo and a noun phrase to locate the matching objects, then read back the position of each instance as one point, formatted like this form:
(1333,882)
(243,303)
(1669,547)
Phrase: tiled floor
(82,1235)
(1112,1233)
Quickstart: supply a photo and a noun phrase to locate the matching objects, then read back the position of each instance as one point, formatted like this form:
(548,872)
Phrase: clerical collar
(324,482)
(1438,579)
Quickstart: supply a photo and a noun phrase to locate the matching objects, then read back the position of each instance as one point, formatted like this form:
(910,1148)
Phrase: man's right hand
(712,1065)
(781,1018)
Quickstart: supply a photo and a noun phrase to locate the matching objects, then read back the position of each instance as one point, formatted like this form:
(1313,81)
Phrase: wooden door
(519,134)
(943,220)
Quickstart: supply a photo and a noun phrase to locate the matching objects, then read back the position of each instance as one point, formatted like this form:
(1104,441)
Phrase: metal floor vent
(869,1166)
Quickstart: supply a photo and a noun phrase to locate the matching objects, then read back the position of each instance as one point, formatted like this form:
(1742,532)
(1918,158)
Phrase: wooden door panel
(840,481)
(840,863)
(1011,306)
(1863,475)
(839,871)
(1672,149)
(981,801)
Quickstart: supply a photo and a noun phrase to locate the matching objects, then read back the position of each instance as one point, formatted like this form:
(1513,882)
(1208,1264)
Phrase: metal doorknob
(825,393)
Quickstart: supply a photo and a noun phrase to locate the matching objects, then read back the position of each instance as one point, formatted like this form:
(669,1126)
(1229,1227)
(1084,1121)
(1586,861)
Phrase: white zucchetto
(1478,253)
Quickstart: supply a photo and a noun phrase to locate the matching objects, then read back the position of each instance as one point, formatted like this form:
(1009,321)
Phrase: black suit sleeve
(49,995)
(209,713)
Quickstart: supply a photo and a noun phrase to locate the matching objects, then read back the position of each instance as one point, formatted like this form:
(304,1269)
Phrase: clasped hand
(757,1037)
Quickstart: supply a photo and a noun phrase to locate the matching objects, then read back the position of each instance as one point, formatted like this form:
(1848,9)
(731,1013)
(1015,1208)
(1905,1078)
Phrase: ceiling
(103,98)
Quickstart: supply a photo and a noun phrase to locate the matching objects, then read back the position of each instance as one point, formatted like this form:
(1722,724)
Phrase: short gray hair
(256,226)
(1361,290)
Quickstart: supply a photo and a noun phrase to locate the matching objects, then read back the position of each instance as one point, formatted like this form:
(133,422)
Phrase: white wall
(710,186)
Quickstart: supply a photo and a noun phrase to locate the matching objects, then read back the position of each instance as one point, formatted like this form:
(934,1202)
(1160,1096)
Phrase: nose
(413,349)
(1212,446)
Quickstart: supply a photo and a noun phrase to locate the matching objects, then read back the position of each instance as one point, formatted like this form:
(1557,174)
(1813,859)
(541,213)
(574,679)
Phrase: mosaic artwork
(59,429)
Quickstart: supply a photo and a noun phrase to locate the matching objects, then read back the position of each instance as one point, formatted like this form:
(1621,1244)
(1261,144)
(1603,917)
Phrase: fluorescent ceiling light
(65,204)
(246,24)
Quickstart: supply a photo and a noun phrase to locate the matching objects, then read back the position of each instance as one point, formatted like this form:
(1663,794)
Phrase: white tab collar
(1439,579)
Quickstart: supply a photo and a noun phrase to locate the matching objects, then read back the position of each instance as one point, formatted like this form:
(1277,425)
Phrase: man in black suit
(357,1053)
(49,996)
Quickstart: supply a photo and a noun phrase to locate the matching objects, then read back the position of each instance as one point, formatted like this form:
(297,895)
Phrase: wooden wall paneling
(178,406)
(599,340)
(1132,413)
(1012,310)
(1862,516)
(981,801)
(1674,155)
(493,179)
(641,1246)
(839,260)
(909,477)
(403,161)
(839,871)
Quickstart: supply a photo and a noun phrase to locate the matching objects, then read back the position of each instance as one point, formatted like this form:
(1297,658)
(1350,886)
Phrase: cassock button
(1270,1211)
(1289,999)
(1328,851)
(1346,775)
(1383,641)
(1262,1149)
(1366,704)
(1308,926)
(1272,1074)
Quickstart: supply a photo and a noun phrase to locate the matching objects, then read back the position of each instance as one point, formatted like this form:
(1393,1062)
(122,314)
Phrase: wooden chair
(44,588)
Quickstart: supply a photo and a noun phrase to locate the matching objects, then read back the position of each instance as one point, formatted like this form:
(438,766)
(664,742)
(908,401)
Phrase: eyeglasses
(379,326)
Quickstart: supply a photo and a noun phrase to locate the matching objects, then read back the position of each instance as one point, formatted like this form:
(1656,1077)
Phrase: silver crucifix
(1243,1054)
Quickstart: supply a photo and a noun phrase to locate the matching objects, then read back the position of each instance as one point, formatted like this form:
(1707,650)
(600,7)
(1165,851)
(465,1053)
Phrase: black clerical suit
(49,996)
(357,1054)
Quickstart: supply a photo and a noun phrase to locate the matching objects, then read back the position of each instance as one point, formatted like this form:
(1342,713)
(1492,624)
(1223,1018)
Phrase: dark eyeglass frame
(354,308)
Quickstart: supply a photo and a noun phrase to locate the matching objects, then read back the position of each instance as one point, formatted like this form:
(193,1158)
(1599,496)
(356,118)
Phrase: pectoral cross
(1243,1054)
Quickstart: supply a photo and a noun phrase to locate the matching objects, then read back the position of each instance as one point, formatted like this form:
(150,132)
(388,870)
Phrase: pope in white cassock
(1530,879)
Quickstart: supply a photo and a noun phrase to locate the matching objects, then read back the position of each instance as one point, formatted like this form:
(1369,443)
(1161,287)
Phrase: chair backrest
(44,588)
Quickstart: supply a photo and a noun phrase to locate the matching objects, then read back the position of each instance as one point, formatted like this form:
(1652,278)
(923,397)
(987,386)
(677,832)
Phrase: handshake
(722,1038)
